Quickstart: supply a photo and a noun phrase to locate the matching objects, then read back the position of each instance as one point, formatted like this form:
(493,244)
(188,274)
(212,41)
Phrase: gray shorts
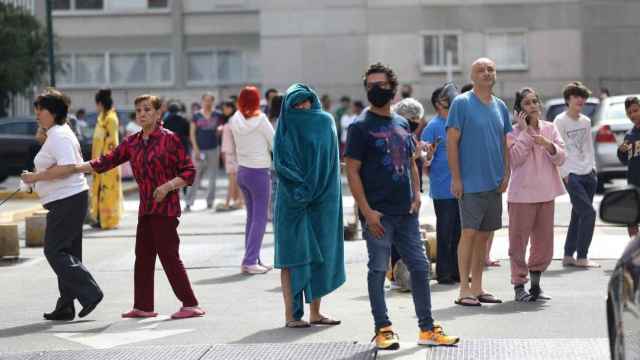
(481,211)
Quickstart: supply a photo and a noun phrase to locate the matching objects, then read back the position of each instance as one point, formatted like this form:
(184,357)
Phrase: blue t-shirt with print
(206,129)
(385,147)
(439,174)
(482,131)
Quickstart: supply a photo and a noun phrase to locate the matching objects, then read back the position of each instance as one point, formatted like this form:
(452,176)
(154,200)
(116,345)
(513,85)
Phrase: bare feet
(492,263)
(586,263)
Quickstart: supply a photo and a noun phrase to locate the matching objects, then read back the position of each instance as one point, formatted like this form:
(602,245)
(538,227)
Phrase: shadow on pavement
(280,335)
(41,327)
(508,307)
(402,353)
(224,279)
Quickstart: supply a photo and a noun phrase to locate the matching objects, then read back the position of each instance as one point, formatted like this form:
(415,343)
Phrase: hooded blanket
(309,238)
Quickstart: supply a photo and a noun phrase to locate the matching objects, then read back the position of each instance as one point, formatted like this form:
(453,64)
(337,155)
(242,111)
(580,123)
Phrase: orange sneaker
(386,339)
(436,337)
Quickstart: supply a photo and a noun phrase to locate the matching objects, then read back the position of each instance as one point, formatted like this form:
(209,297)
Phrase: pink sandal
(135,313)
(188,312)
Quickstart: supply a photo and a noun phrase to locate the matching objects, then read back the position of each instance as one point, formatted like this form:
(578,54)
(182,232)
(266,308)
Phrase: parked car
(18,145)
(623,294)
(555,106)
(609,125)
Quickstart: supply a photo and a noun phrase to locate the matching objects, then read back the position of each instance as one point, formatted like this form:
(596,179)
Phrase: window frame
(129,85)
(502,31)
(440,34)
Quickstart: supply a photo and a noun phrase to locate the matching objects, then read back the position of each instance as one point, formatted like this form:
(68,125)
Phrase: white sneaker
(254,269)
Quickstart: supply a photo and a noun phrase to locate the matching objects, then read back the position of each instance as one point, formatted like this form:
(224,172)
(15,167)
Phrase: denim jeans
(403,231)
(581,189)
(448,237)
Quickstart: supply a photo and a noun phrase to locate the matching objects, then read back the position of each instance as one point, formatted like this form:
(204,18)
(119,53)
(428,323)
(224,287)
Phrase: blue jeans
(403,231)
(581,189)
(448,237)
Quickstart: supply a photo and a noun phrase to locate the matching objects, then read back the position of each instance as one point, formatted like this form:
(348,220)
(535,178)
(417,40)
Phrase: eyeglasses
(381,84)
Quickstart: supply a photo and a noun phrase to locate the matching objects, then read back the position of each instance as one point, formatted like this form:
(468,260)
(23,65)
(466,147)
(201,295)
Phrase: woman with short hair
(64,194)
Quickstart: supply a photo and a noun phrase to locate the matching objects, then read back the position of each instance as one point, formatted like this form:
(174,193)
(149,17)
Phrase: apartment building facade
(182,48)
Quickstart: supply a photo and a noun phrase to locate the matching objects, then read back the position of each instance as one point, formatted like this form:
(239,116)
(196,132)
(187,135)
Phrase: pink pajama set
(535,183)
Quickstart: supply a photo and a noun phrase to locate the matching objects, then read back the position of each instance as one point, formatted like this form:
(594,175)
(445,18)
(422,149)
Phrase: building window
(217,67)
(128,68)
(145,68)
(111,5)
(436,46)
(508,49)
(89,4)
(61,5)
(89,69)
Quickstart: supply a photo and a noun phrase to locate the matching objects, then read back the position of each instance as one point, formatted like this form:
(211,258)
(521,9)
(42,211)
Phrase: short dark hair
(275,106)
(631,100)
(230,104)
(575,88)
(81,112)
(103,97)
(154,100)
(358,104)
(269,91)
(345,98)
(435,96)
(54,102)
(465,88)
(380,68)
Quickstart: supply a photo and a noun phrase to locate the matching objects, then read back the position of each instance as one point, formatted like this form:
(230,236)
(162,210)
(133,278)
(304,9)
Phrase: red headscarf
(249,101)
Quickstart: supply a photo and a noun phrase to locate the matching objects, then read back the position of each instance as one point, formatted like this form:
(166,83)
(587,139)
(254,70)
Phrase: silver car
(608,126)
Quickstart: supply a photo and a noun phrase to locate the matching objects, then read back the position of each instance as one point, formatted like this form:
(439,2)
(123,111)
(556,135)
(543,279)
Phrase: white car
(609,125)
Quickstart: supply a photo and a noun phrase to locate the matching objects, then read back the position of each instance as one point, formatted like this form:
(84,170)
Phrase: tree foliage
(23,52)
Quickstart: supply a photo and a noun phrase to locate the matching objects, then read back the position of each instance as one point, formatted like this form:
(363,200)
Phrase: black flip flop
(297,324)
(489,299)
(468,301)
(326,321)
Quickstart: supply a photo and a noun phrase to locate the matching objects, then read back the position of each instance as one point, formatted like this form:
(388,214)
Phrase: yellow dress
(106,189)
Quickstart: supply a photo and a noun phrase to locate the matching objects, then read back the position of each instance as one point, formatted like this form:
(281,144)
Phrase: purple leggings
(254,184)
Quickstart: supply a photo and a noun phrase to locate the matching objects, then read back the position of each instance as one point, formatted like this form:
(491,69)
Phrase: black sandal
(297,324)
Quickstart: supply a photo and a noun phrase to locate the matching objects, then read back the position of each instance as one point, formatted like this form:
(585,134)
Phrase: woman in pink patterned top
(535,150)
(160,166)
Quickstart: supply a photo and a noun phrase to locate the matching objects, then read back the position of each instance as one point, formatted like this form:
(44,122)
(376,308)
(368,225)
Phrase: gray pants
(208,165)
(63,249)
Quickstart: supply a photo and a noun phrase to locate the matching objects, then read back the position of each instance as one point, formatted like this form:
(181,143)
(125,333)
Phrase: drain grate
(524,349)
(324,351)
(134,353)
(317,351)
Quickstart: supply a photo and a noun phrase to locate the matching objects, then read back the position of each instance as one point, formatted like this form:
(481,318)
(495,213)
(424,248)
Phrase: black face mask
(405,94)
(413,126)
(379,97)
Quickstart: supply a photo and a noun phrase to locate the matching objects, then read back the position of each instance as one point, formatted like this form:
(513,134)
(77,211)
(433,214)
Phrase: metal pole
(52,64)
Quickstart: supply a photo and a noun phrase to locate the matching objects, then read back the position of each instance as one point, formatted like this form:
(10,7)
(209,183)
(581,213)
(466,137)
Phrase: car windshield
(589,109)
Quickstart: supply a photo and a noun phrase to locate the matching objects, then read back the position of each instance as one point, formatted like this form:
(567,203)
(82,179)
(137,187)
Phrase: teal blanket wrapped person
(308,225)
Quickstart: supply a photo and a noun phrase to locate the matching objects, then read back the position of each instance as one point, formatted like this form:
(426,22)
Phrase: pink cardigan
(534,172)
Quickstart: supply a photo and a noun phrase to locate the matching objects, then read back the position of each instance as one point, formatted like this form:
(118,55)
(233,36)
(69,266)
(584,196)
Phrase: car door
(18,145)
